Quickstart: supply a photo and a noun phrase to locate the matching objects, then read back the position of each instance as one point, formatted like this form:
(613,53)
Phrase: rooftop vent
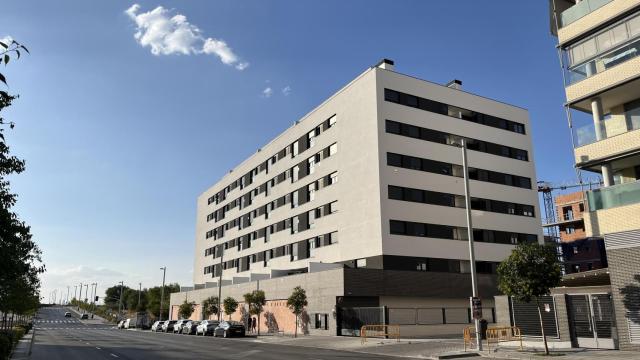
(455,84)
(385,64)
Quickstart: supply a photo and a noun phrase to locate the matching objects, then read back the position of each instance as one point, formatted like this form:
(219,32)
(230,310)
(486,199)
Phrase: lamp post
(120,301)
(164,273)
(80,297)
(75,292)
(68,289)
(472,257)
(139,294)
(221,247)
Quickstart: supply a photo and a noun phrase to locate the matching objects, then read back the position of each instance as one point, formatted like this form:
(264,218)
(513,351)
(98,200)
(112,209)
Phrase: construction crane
(547,189)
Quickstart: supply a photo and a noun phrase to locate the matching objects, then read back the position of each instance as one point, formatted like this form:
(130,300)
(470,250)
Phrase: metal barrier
(468,337)
(391,331)
(503,333)
(494,334)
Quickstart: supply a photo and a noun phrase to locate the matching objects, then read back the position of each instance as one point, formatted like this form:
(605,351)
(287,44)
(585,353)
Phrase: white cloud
(166,35)
(286,91)
(267,92)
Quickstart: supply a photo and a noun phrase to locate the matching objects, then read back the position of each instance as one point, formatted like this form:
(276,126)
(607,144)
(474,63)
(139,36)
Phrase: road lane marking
(114,355)
(97,347)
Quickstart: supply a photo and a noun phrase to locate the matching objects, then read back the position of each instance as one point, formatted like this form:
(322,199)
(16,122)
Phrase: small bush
(18,333)
(5,346)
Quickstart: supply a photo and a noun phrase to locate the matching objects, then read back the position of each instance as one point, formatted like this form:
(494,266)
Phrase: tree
(21,262)
(186,309)
(230,305)
(255,300)
(296,302)
(531,271)
(210,307)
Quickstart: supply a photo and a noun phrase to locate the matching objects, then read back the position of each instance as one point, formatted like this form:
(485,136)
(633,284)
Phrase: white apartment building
(369,180)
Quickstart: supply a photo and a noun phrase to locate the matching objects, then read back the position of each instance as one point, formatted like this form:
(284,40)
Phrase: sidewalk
(413,348)
(565,354)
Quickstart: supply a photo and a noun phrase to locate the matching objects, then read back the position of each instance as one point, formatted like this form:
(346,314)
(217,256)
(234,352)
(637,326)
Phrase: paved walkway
(568,354)
(416,348)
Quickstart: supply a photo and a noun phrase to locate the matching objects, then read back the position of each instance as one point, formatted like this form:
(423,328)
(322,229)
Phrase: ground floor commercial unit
(343,299)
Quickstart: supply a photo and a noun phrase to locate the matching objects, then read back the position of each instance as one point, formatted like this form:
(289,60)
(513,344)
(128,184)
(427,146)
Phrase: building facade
(599,43)
(371,181)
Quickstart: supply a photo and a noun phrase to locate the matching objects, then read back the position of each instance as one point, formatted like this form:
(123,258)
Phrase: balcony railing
(614,196)
(610,127)
(603,62)
(580,9)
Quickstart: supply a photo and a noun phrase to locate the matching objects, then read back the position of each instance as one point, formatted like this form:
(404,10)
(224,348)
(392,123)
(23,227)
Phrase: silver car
(157,326)
(206,327)
(177,327)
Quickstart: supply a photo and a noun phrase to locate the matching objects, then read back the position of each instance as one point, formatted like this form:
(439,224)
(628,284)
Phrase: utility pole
(221,247)
(120,301)
(68,289)
(139,294)
(80,297)
(164,273)
(75,292)
(472,257)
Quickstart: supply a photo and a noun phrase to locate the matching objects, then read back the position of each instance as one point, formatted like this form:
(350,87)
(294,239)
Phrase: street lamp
(221,247)
(164,273)
(139,294)
(120,301)
(80,297)
(472,257)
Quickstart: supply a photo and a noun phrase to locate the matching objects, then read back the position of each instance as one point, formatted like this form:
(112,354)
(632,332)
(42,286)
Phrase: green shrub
(5,346)
(18,333)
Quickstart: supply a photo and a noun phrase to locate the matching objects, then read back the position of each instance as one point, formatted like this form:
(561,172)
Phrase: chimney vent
(455,84)
(385,64)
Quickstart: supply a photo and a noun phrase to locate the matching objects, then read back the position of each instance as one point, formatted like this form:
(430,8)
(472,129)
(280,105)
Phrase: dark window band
(453,111)
(416,132)
(452,200)
(443,168)
(408,228)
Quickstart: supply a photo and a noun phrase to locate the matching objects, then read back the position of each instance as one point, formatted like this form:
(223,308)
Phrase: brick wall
(572,200)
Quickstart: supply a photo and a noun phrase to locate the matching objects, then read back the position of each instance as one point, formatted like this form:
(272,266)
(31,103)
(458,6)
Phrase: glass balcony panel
(603,62)
(614,196)
(581,9)
(611,126)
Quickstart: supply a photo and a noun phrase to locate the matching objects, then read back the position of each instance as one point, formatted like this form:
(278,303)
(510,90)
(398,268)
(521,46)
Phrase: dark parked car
(157,326)
(206,327)
(168,325)
(190,327)
(84,316)
(229,328)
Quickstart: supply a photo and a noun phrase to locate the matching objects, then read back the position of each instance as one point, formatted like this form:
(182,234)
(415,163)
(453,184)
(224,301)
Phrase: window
(321,321)
(333,178)
(311,137)
(294,199)
(570,230)
(294,149)
(395,193)
(332,120)
(333,207)
(397,227)
(311,163)
(311,191)
(294,173)
(333,149)
(333,237)
(394,159)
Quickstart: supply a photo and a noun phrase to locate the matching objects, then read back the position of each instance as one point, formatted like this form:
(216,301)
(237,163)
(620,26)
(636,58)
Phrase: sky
(129,110)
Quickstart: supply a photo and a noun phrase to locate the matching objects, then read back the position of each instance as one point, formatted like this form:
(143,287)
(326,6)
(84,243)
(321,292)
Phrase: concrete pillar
(596,110)
(607,175)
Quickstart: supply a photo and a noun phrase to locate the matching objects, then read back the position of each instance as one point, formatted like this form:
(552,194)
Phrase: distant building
(368,187)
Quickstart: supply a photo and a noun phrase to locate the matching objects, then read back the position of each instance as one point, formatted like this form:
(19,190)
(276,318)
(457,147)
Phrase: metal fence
(435,316)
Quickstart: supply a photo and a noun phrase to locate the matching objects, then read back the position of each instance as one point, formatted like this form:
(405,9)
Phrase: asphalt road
(63,338)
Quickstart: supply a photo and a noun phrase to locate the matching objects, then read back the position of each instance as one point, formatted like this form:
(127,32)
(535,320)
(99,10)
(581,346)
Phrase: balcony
(580,10)
(613,209)
(614,196)
(588,15)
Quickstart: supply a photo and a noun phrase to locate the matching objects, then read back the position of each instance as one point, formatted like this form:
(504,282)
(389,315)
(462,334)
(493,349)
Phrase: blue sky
(119,141)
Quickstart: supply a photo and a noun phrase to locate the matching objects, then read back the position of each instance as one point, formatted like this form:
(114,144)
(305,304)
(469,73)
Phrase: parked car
(206,327)
(190,327)
(84,316)
(229,328)
(168,325)
(67,314)
(129,324)
(177,327)
(121,324)
(157,326)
